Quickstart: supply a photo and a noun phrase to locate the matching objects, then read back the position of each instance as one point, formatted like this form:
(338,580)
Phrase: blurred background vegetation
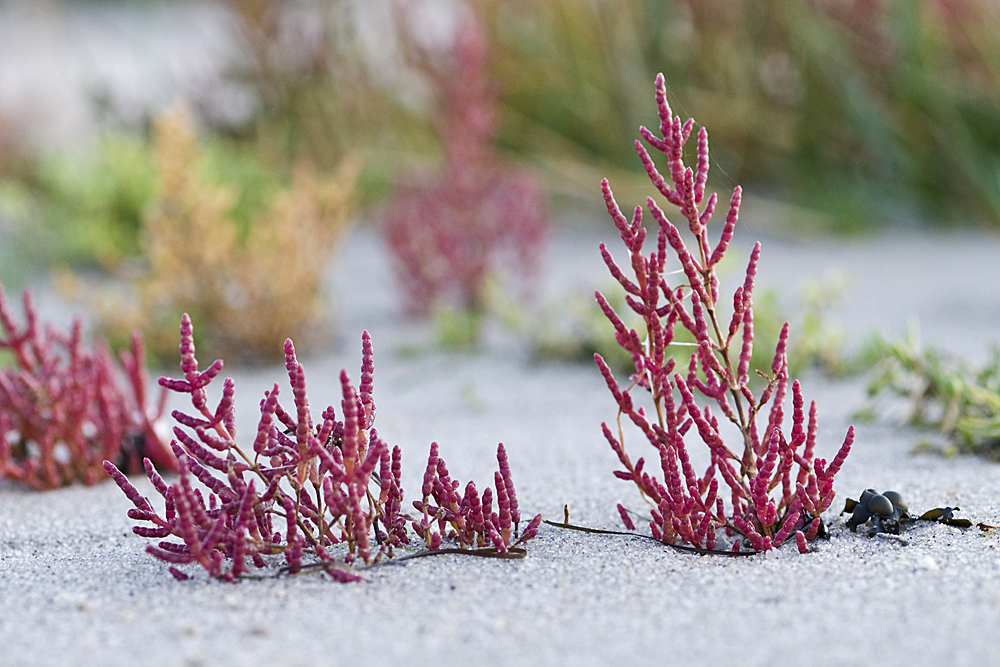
(863,109)
(859,112)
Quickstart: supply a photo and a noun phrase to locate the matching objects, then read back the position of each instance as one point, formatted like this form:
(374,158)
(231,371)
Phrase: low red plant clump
(64,409)
(326,496)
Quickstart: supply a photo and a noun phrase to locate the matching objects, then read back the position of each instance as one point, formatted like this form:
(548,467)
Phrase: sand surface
(76,587)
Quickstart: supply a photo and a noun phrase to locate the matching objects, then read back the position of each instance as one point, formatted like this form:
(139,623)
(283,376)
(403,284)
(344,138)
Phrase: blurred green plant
(573,329)
(457,329)
(85,210)
(820,342)
(945,392)
(861,108)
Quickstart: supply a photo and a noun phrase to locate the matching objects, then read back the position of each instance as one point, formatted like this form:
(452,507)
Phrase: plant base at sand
(324,495)
(777,488)
(64,409)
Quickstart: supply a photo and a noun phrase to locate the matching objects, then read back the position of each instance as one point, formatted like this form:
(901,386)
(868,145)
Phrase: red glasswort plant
(330,490)
(64,409)
(466,517)
(449,235)
(689,508)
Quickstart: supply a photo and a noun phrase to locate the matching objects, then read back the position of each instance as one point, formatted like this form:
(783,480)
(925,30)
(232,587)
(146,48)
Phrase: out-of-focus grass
(318,97)
(868,110)
(86,208)
(945,392)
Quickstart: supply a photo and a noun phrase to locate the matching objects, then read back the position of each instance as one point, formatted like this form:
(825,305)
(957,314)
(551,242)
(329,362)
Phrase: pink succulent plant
(777,488)
(64,409)
(326,496)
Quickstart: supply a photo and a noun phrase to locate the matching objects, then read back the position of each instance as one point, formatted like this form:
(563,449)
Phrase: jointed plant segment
(63,408)
(689,508)
(330,491)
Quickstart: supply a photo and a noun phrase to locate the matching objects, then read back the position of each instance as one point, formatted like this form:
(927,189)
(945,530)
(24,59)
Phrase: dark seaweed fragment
(888,513)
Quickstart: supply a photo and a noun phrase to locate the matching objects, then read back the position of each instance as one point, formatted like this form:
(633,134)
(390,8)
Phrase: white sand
(77,589)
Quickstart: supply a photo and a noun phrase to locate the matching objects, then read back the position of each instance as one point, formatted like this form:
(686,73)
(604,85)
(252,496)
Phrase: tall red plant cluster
(64,409)
(450,233)
(324,495)
(776,486)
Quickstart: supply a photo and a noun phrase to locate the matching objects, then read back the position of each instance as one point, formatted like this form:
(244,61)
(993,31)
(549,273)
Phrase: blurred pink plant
(449,233)
(64,410)
(688,508)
